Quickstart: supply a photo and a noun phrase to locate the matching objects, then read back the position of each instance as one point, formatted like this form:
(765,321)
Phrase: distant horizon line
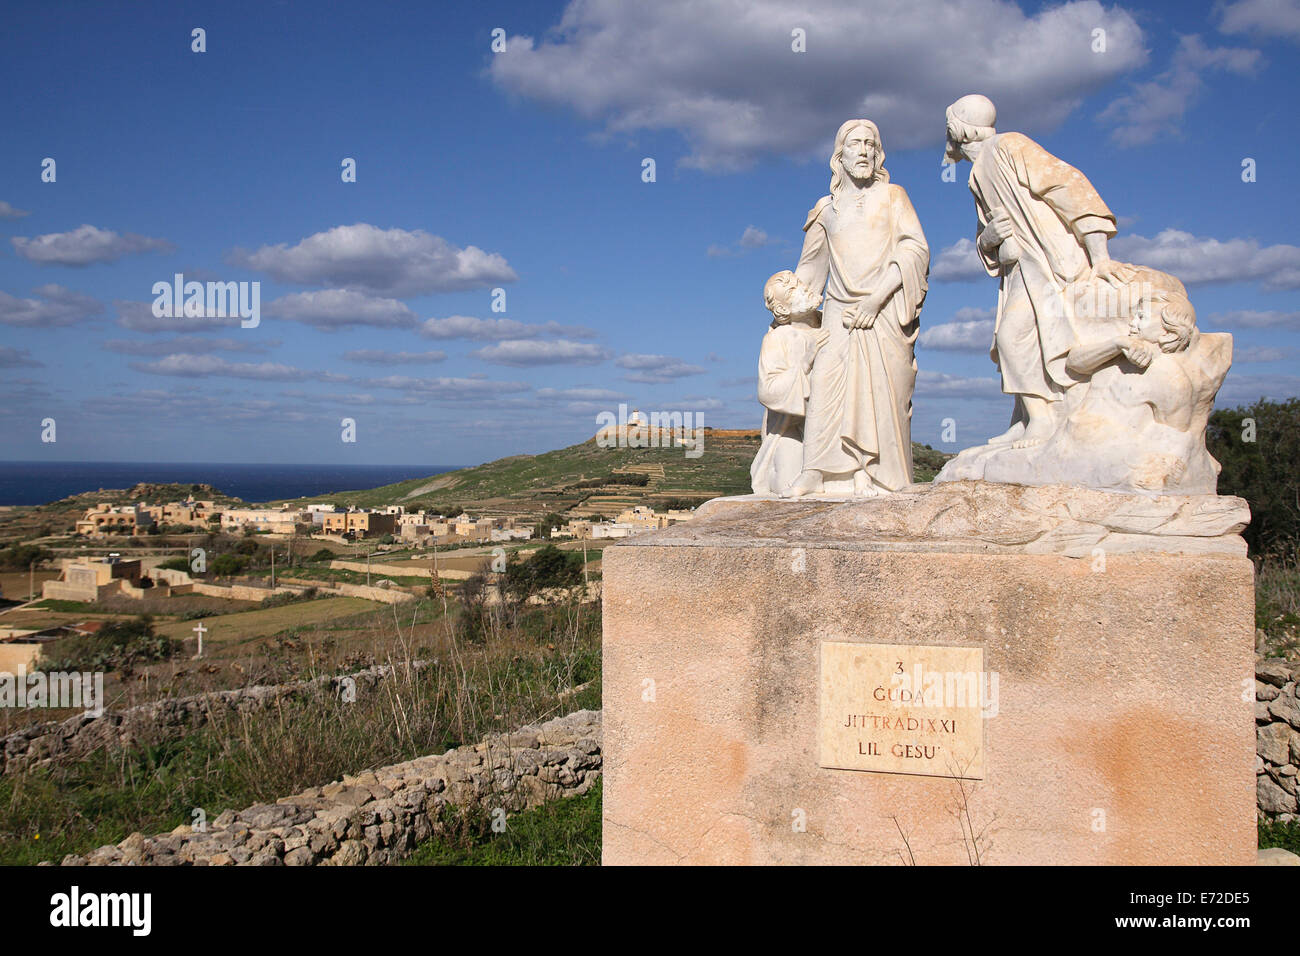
(226,464)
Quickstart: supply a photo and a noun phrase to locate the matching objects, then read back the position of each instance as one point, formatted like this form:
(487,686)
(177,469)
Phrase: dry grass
(519,673)
(1277,608)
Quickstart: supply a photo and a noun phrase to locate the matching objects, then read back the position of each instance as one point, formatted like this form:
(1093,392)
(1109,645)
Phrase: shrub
(1260,466)
(549,567)
(225,565)
(324,554)
(18,557)
(176,564)
(118,645)
(548,521)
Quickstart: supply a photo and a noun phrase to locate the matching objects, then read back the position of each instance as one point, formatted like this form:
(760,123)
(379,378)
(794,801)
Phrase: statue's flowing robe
(860,404)
(783,387)
(1052,207)
(1136,430)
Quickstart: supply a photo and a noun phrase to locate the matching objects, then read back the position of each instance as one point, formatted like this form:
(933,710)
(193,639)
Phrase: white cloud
(202,366)
(1264,19)
(527,352)
(342,308)
(139,317)
(958,263)
(580,395)
(60,306)
(187,344)
(393,262)
(1263,353)
(696,404)
(383,357)
(970,330)
(725,77)
(17,358)
(1155,109)
(744,381)
(451,389)
(655,369)
(1252,319)
(751,238)
(9,212)
(931,383)
(85,245)
(490,330)
(1241,389)
(1195,259)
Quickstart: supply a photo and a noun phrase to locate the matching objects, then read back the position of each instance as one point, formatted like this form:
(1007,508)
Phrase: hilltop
(581,480)
(589,479)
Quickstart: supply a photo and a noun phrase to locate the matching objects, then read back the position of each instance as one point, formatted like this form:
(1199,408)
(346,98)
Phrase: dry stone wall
(1277,738)
(380,816)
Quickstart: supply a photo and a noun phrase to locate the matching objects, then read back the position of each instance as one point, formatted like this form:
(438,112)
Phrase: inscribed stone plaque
(904,708)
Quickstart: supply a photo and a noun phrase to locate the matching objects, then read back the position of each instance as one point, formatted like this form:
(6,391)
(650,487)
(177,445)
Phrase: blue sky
(522,170)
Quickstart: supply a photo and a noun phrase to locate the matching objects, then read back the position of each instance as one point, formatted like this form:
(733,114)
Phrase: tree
(226,565)
(549,567)
(19,557)
(548,521)
(1259,447)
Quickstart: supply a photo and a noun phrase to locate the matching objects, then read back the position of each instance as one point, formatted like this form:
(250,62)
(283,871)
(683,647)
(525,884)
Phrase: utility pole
(584,562)
(272,566)
(368,568)
(31,581)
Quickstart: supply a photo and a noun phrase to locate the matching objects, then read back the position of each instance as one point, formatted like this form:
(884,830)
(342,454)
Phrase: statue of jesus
(865,247)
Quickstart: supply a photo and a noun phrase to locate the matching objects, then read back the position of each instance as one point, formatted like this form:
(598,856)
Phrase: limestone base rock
(1125,726)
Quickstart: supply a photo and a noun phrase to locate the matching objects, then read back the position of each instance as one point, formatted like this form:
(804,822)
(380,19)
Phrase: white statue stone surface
(785,364)
(864,247)
(1113,382)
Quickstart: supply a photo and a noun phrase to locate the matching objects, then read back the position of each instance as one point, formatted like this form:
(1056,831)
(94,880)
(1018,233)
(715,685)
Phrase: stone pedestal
(1117,630)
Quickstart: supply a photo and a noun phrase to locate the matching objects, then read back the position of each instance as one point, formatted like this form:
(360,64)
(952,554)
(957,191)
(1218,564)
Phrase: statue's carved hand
(1110,271)
(1139,352)
(996,231)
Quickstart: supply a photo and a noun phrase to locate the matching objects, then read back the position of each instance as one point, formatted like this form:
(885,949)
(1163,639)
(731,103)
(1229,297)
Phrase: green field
(248,625)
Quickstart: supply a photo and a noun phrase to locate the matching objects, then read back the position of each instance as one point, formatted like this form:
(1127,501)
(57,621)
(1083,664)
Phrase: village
(346,525)
(197,558)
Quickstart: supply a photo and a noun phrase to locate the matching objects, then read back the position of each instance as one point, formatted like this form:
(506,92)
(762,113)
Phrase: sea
(39,482)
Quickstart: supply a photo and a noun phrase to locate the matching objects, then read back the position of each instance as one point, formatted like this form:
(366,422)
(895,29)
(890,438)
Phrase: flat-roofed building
(110,519)
(273,520)
(82,579)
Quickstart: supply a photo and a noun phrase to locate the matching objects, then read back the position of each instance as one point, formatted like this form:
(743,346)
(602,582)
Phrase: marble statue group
(1111,379)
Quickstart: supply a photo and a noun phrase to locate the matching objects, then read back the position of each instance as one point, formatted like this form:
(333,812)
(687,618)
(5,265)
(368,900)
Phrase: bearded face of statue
(860,154)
